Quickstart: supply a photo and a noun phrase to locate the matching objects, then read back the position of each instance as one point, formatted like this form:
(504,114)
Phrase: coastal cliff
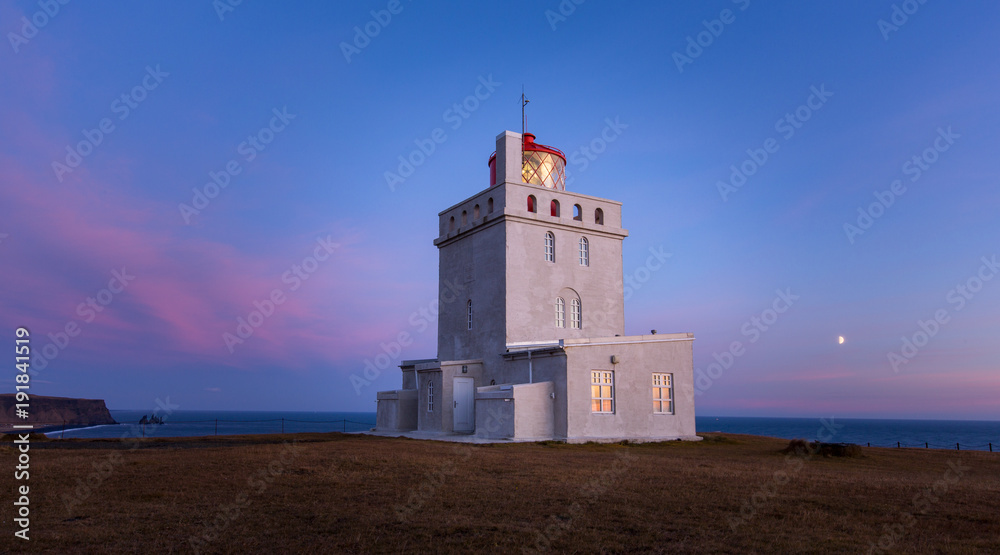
(52,413)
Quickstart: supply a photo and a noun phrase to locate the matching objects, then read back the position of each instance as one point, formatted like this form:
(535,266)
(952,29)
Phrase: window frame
(602,379)
(575,314)
(430,395)
(469,306)
(584,251)
(550,247)
(661,381)
(560,313)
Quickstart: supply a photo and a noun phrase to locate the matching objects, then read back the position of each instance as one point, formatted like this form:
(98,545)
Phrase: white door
(464,413)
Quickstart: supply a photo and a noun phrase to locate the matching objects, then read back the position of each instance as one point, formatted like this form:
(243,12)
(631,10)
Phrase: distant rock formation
(52,413)
(150,420)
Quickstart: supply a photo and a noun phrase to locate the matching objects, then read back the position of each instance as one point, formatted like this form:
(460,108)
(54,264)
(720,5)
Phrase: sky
(813,170)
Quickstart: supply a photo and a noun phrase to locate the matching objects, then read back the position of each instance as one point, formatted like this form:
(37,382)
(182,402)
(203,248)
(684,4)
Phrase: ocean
(935,434)
(191,423)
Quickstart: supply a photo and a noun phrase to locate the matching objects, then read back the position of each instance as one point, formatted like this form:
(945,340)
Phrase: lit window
(560,313)
(489,206)
(584,252)
(554,208)
(574,314)
(470,313)
(532,204)
(602,391)
(577,212)
(663,394)
(599,216)
(475,212)
(550,247)
(430,396)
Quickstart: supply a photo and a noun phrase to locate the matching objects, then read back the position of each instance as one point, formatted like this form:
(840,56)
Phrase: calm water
(187,423)
(941,434)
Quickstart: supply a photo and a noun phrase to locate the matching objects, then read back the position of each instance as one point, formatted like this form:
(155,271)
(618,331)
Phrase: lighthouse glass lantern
(541,165)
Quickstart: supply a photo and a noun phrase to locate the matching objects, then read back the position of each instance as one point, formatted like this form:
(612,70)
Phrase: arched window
(475,212)
(575,316)
(560,312)
(469,304)
(532,205)
(577,213)
(430,395)
(555,208)
(451,224)
(489,206)
(584,252)
(465,217)
(550,247)
(599,216)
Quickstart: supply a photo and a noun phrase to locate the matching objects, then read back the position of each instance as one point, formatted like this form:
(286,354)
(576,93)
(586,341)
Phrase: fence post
(63,434)
(869,444)
(926,445)
(957,448)
(991,447)
(897,445)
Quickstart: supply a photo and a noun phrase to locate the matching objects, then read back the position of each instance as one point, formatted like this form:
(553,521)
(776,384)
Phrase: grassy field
(359,494)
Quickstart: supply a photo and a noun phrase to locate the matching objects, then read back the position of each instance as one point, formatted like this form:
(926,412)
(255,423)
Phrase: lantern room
(541,165)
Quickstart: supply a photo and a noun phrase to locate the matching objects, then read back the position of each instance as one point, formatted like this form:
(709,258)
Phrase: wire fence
(927,445)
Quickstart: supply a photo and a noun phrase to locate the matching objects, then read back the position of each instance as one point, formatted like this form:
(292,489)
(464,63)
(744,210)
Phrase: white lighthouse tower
(531,325)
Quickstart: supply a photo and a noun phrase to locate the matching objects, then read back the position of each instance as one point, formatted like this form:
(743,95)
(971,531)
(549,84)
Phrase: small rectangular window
(663,393)
(602,391)
(430,396)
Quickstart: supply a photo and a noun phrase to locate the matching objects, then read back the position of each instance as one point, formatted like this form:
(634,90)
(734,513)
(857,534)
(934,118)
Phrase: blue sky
(198,84)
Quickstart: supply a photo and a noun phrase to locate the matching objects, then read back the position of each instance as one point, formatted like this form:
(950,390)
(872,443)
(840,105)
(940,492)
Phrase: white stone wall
(633,418)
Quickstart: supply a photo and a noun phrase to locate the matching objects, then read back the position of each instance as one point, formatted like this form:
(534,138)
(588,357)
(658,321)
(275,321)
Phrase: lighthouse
(531,325)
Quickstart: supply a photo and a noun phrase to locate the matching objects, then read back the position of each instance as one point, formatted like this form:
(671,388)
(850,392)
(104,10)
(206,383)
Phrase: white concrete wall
(534,412)
(495,412)
(396,411)
(633,417)
(472,267)
(534,283)
(546,367)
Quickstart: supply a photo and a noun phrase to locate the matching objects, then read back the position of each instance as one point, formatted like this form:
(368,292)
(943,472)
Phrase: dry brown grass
(359,494)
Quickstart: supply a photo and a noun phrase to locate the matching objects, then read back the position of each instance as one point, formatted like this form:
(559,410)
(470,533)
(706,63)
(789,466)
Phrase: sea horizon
(980,435)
